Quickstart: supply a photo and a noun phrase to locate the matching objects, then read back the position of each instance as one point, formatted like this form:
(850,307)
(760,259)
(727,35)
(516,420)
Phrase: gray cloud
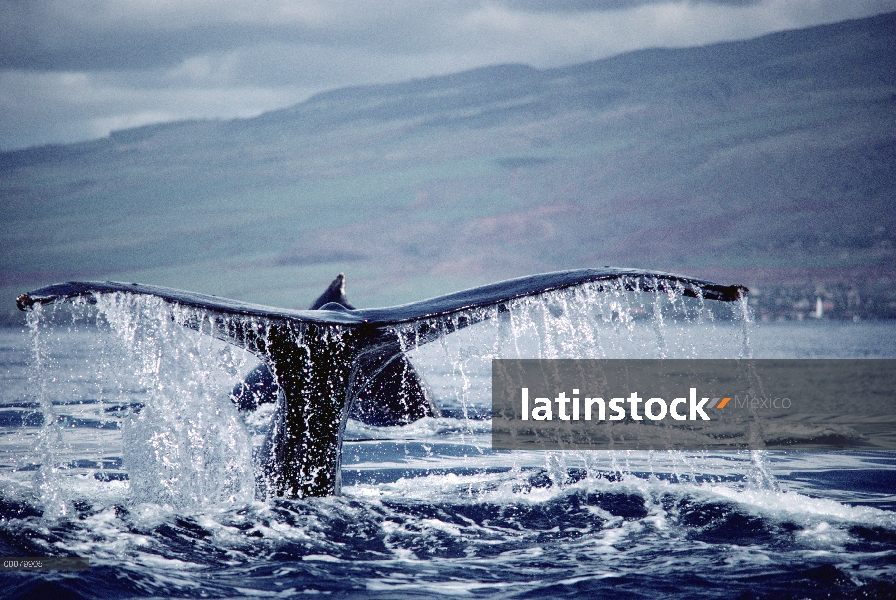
(592,5)
(46,35)
(77,69)
(85,35)
(49,44)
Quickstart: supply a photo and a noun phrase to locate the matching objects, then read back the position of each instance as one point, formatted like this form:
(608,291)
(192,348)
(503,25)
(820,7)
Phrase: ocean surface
(151,479)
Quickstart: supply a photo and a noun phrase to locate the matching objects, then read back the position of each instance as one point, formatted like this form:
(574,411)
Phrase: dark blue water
(88,468)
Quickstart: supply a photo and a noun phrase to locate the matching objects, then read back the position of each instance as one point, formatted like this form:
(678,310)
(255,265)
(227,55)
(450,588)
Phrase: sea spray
(187,446)
(49,487)
(138,392)
(588,321)
(426,520)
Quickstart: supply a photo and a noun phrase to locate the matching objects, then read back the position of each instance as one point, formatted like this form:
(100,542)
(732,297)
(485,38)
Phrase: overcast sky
(72,70)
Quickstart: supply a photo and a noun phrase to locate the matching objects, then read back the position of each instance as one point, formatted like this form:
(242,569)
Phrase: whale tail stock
(324,360)
(396,395)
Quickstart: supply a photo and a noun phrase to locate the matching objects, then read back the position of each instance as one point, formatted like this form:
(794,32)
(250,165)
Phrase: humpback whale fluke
(325,360)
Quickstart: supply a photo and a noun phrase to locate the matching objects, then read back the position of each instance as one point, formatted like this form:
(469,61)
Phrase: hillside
(764,162)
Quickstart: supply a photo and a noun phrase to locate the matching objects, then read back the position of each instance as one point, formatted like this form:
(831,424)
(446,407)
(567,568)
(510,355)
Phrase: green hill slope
(757,162)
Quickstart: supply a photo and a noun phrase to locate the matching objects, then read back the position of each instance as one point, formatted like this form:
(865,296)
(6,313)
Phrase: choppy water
(127,452)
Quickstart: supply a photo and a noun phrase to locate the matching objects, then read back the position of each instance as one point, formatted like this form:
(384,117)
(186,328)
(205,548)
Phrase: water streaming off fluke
(158,374)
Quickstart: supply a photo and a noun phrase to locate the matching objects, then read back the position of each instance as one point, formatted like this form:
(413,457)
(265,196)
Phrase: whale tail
(327,361)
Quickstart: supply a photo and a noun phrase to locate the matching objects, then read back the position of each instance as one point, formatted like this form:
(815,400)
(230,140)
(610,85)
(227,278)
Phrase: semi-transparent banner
(694,404)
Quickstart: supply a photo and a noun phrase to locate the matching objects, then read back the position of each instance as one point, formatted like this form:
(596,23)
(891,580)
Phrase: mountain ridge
(877,25)
(758,162)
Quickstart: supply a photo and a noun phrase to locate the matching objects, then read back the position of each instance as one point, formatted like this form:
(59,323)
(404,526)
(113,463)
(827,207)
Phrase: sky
(74,70)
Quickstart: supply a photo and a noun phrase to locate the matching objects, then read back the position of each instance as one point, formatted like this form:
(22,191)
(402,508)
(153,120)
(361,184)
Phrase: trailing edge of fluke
(321,380)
